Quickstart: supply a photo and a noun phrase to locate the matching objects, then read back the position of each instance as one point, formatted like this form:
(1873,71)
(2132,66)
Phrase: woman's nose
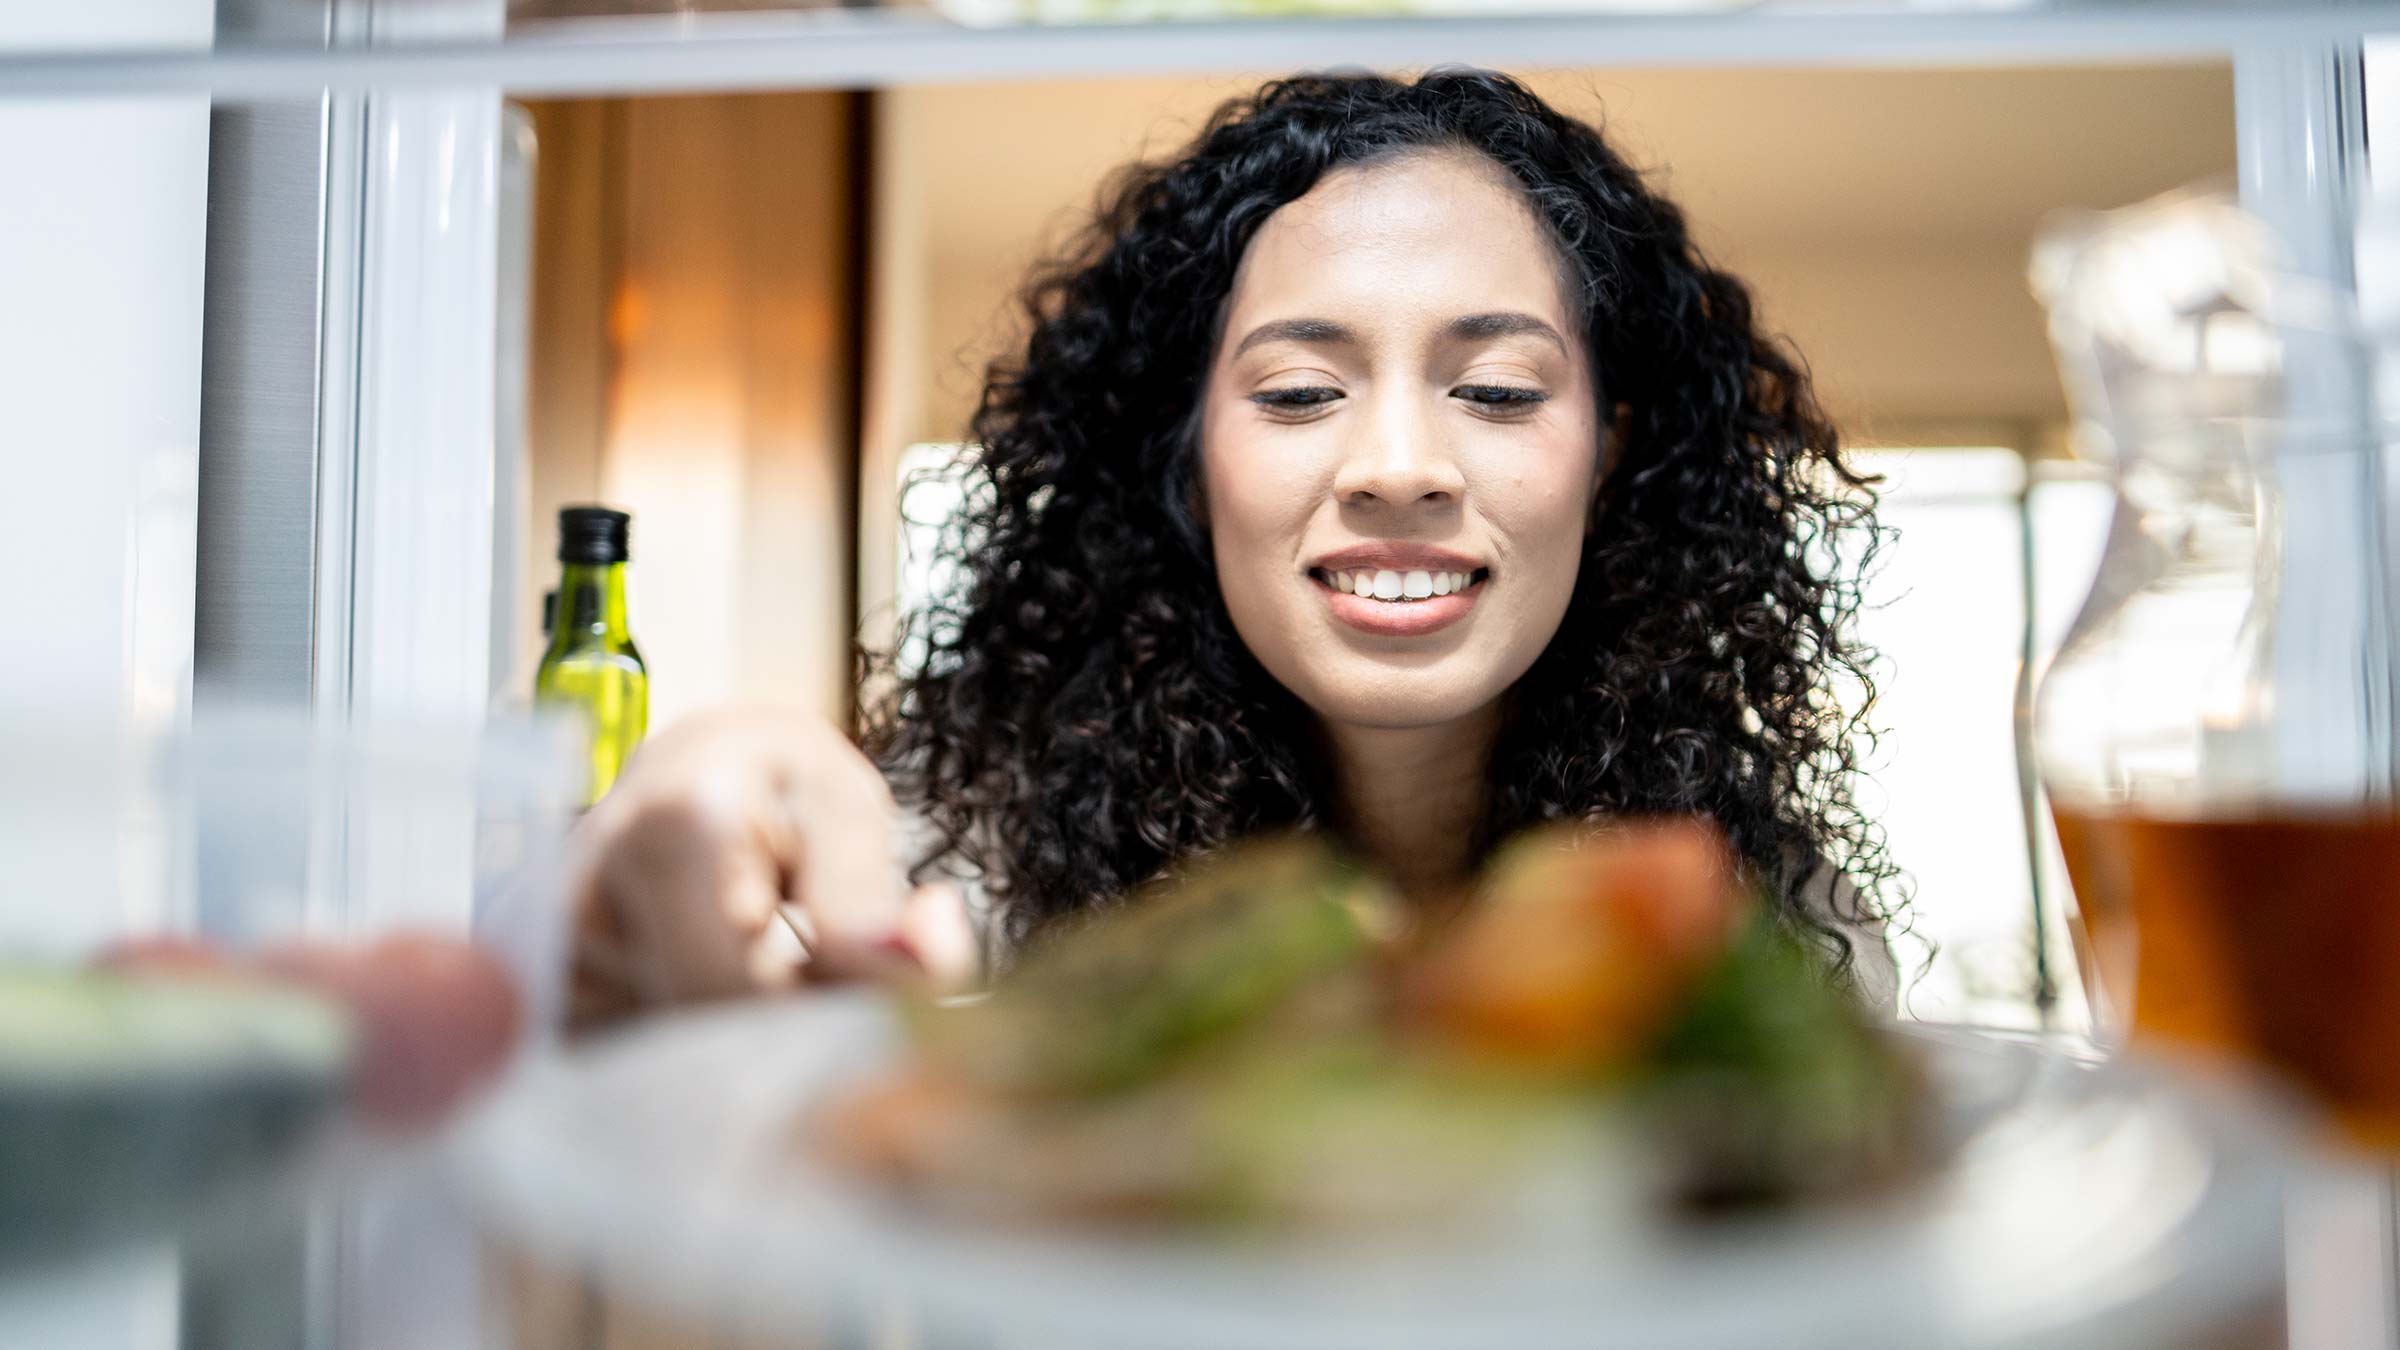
(1399,458)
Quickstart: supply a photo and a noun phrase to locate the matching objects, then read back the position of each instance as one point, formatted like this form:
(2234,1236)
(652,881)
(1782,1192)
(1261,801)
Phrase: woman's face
(1399,403)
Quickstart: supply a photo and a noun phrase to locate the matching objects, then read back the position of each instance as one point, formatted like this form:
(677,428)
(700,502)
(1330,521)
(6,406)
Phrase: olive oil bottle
(592,665)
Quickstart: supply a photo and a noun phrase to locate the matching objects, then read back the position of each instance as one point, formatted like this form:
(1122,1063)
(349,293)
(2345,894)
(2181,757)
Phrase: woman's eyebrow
(1504,323)
(1320,331)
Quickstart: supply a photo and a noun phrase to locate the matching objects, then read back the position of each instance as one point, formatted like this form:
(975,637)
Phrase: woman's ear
(1612,449)
(1612,453)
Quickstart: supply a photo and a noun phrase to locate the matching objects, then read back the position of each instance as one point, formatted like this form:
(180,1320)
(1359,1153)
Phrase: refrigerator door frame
(404,526)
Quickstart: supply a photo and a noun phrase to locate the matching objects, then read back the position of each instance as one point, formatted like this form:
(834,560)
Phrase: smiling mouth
(1393,587)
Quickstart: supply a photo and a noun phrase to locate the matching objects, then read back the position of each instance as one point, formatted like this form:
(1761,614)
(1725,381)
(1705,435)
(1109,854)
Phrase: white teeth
(1400,586)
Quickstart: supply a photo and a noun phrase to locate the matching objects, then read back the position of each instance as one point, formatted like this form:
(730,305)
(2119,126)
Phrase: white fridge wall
(87,24)
(100,266)
(102,229)
(102,232)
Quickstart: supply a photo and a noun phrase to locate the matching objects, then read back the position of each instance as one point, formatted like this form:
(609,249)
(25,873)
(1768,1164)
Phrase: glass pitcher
(2215,730)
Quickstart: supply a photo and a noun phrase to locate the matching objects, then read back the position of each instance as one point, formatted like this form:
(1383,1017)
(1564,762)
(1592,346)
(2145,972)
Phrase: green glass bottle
(591,664)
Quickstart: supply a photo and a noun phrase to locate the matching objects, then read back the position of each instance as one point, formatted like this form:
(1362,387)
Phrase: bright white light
(1946,608)
(932,489)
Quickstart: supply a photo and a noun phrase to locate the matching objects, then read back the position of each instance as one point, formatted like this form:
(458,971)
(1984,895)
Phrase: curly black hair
(1081,716)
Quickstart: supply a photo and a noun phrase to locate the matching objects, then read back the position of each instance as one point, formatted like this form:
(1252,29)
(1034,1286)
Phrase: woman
(1389,463)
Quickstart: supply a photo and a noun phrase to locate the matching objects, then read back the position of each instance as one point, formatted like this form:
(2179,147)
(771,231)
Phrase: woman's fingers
(735,855)
(842,823)
(940,934)
(933,947)
(671,876)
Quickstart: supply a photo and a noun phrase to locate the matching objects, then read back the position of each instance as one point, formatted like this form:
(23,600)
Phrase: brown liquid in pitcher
(2276,938)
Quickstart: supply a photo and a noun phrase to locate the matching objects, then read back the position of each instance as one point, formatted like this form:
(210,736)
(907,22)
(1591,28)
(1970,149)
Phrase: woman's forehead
(1407,241)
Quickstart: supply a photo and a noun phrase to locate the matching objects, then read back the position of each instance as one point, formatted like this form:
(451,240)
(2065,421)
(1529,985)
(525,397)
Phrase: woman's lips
(1407,618)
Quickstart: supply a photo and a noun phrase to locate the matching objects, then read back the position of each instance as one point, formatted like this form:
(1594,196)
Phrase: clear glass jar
(2215,731)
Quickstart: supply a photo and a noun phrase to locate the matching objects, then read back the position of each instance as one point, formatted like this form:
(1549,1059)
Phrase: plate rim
(619,1231)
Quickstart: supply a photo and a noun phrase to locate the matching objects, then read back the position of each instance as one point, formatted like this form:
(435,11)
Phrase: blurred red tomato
(435,1017)
(1576,951)
(162,954)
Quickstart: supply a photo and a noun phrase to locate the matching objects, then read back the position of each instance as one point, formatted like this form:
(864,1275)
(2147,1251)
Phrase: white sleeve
(1873,972)
(912,841)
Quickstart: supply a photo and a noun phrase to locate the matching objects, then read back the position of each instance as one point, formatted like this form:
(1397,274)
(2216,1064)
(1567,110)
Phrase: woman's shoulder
(1833,901)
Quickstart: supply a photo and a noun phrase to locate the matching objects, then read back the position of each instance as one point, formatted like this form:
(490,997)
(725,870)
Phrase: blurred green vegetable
(1774,1081)
(1117,1000)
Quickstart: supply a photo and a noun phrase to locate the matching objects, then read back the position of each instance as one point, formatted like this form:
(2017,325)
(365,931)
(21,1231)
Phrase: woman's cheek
(1547,527)
(1262,499)
(1234,524)
(1261,496)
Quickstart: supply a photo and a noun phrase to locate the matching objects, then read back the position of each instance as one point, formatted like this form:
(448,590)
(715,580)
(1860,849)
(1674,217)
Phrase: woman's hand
(739,851)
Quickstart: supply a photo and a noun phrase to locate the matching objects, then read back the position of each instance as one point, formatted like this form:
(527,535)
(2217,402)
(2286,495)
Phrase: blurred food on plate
(1274,1035)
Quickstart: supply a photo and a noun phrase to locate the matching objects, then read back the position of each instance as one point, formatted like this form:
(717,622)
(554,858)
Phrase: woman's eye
(1295,400)
(1501,397)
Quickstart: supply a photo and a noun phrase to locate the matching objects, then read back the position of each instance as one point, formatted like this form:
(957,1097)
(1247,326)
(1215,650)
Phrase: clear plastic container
(248,828)
(256,825)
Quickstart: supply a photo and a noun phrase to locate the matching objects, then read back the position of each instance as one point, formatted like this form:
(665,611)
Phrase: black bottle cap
(592,534)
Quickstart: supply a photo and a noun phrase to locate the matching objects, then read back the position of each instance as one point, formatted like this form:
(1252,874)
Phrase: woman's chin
(1389,704)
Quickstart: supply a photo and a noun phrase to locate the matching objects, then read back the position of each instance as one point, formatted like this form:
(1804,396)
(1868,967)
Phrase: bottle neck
(591,603)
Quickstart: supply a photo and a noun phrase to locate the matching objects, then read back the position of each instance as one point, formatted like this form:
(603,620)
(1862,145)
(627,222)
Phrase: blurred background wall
(694,357)
(1884,216)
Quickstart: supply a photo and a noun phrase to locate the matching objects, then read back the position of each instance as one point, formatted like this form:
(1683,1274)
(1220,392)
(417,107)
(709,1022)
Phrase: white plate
(2104,1206)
